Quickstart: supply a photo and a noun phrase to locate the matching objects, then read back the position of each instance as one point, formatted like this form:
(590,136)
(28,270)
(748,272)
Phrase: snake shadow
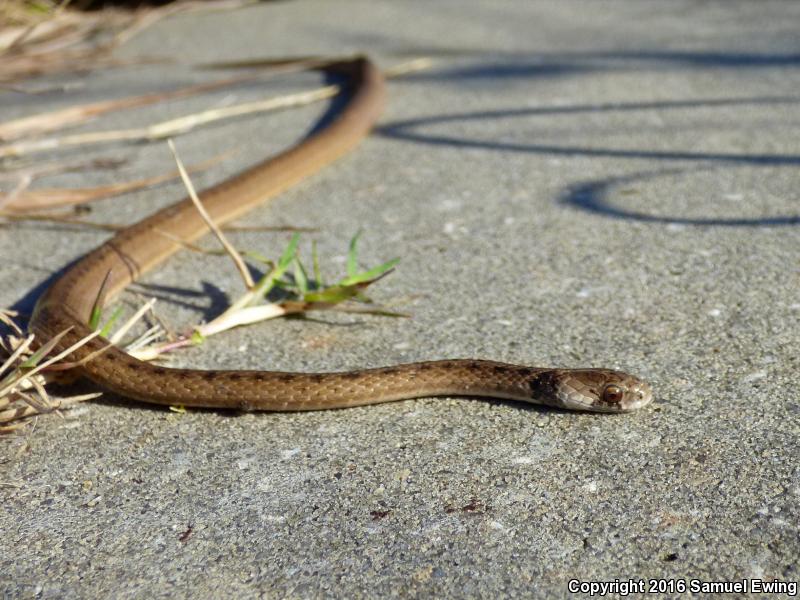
(593,195)
(408,130)
(494,64)
(500,68)
(596,196)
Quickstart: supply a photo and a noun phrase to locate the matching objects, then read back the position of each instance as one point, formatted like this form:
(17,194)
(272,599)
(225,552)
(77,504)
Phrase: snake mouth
(639,396)
(602,390)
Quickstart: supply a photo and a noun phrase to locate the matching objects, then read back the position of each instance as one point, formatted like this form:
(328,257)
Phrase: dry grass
(52,39)
(22,375)
(27,365)
(46,38)
(41,37)
(25,13)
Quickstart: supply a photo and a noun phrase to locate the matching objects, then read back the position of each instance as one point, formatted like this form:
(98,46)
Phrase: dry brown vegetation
(40,39)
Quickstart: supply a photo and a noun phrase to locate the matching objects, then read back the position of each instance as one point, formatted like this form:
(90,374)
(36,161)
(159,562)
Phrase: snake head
(601,390)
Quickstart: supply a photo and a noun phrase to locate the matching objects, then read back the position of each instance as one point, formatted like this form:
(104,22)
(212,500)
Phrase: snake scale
(67,304)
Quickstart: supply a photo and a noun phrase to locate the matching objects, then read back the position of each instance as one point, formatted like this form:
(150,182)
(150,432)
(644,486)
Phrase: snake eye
(612,394)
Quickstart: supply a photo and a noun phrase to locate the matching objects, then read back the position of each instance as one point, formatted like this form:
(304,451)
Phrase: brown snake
(67,304)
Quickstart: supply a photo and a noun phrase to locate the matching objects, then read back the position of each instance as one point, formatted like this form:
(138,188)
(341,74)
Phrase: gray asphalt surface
(572,184)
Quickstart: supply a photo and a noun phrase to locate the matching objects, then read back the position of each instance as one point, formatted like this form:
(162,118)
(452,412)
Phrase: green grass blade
(300,277)
(111,321)
(43,351)
(368,276)
(315,265)
(352,255)
(259,258)
(332,295)
(289,253)
(381,312)
(99,300)
(266,283)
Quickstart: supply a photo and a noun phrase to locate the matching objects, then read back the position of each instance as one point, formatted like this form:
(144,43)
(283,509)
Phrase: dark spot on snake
(182,374)
(378,514)
(425,367)
(159,371)
(542,384)
(285,376)
(259,376)
(134,366)
(234,376)
(111,357)
(351,375)
(209,375)
(316,377)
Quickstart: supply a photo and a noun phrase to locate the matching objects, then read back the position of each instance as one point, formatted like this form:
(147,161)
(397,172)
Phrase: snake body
(67,304)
